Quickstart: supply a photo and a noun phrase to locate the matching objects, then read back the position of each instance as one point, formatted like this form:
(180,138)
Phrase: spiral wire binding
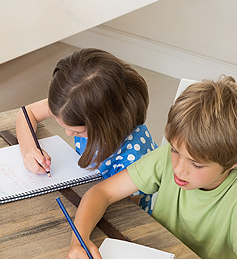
(51,188)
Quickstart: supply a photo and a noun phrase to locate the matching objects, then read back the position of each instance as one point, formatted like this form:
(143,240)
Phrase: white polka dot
(146,209)
(147,134)
(108,162)
(137,147)
(148,197)
(136,193)
(129,146)
(130,137)
(143,140)
(78,145)
(152,146)
(104,172)
(119,157)
(119,151)
(131,157)
(148,150)
(120,165)
(137,130)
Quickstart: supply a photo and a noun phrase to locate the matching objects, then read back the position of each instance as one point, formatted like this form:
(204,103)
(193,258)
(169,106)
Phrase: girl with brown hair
(102,102)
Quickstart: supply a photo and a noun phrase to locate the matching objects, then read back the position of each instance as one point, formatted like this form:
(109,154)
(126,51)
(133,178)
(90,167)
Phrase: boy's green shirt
(206,221)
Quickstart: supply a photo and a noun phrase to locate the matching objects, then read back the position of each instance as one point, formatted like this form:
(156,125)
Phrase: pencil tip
(48,173)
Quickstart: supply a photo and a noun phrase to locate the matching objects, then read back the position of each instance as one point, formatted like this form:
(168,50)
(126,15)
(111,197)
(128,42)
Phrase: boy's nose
(180,169)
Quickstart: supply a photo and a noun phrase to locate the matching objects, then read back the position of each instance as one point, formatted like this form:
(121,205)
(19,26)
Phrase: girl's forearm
(23,132)
(37,112)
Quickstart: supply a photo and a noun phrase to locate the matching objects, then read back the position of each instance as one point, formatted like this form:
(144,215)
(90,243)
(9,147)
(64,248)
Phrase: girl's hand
(35,162)
(77,252)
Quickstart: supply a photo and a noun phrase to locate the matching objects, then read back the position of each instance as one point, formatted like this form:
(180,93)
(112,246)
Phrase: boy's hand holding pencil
(76,251)
(80,248)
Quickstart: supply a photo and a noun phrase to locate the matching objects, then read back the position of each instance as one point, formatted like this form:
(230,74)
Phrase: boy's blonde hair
(204,116)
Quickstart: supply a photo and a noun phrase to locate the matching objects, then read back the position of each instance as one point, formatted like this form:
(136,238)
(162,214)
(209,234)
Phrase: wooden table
(36,227)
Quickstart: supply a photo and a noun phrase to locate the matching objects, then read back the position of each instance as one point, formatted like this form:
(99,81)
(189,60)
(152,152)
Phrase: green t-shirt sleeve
(146,173)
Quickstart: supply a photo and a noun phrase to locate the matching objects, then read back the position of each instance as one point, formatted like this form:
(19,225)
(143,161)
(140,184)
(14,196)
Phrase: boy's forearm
(90,211)
(96,200)
(93,205)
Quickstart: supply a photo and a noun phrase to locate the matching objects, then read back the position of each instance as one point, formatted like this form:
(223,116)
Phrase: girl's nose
(69,132)
(84,134)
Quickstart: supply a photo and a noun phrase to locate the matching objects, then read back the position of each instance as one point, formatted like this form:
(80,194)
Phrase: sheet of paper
(119,249)
(15,179)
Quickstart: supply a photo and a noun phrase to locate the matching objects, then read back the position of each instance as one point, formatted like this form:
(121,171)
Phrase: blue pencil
(73,227)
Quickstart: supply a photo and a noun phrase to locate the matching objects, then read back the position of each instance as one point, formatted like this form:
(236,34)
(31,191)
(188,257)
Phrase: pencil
(33,133)
(74,228)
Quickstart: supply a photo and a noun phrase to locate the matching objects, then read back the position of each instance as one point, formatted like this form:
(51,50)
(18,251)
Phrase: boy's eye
(173,150)
(191,161)
(197,166)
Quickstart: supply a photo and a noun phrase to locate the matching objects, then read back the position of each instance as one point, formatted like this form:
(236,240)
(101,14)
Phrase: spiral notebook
(16,182)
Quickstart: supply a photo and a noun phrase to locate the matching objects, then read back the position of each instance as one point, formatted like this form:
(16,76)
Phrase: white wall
(27,25)
(182,38)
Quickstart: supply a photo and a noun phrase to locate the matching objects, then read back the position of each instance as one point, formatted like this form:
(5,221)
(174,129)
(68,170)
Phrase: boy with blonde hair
(194,174)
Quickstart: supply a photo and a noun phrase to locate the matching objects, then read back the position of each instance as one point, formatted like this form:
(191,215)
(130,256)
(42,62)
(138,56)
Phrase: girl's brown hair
(204,116)
(93,88)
